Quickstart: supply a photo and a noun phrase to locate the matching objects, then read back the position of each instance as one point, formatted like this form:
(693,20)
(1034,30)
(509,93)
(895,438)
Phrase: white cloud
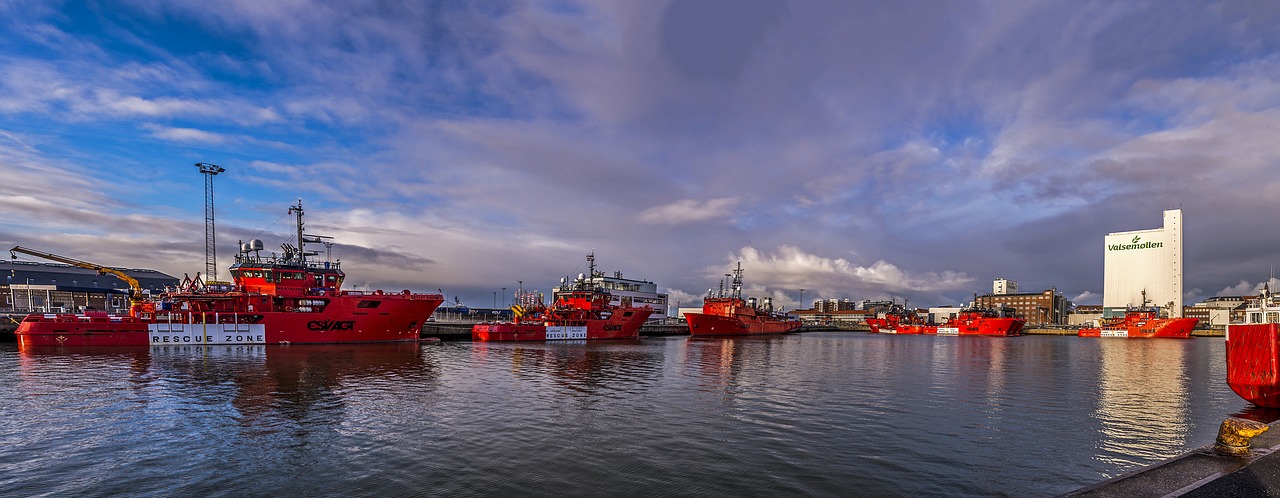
(783,273)
(1087,297)
(689,211)
(1245,288)
(187,135)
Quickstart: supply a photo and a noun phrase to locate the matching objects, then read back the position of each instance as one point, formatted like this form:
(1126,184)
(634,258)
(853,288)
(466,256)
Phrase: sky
(853,149)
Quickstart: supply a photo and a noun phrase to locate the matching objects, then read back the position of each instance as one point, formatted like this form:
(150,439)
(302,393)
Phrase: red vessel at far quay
(887,323)
(276,300)
(1143,322)
(983,321)
(909,322)
(581,311)
(1253,352)
(729,314)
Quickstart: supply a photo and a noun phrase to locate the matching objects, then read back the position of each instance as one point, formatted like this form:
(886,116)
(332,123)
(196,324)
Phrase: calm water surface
(847,414)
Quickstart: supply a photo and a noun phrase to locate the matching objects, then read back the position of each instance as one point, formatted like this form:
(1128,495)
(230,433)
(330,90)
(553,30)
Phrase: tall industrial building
(1147,261)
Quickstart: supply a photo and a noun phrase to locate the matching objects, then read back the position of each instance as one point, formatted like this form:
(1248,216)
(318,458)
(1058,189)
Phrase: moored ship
(983,321)
(581,311)
(727,313)
(908,321)
(1253,352)
(887,323)
(1142,323)
(272,300)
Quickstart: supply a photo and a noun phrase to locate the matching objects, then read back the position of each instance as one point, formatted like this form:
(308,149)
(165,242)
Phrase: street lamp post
(801,299)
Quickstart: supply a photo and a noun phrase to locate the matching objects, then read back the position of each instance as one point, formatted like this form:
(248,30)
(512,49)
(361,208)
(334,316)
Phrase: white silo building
(1144,261)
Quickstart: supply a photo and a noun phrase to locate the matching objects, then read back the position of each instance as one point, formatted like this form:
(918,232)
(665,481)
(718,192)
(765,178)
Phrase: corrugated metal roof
(66,275)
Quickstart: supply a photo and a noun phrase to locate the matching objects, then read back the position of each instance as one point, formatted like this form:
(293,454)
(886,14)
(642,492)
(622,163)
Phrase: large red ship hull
(702,324)
(1253,363)
(395,318)
(983,326)
(620,325)
(1176,328)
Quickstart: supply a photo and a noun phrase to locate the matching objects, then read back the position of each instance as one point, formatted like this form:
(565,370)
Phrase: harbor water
(816,414)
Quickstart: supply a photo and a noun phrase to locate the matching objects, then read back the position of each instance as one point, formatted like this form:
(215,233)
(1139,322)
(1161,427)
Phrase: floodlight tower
(210,251)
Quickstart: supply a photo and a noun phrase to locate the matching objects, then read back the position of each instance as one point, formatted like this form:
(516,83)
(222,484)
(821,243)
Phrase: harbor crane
(135,289)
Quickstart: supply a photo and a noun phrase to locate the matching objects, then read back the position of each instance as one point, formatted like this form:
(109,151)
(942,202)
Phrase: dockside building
(27,286)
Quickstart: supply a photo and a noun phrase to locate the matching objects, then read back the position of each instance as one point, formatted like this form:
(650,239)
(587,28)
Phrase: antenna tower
(210,252)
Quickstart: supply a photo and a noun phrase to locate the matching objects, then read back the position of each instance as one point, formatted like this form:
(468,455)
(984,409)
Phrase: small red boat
(1253,353)
(582,312)
(983,321)
(1142,323)
(275,300)
(729,314)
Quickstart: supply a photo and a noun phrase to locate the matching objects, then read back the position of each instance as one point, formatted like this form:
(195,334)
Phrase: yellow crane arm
(135,289)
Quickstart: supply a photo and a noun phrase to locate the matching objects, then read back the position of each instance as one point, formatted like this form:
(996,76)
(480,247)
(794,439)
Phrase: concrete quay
(1202,473)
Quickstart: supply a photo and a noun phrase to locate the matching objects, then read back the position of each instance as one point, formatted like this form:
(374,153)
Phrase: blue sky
(853,149)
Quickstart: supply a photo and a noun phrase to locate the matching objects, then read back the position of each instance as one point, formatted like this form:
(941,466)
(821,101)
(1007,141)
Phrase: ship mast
(737,282)
(297,210)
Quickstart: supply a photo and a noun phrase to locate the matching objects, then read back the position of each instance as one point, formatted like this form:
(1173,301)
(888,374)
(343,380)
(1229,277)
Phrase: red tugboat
(1142,323)
(275,300)
(729,314)
(1253,352)
(582,311)
(983,321)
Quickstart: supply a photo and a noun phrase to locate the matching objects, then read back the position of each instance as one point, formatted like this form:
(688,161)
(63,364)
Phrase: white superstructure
(1145,263)
(638,292)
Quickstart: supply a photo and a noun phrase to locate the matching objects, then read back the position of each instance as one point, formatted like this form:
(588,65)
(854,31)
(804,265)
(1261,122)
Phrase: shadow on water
(1259,414)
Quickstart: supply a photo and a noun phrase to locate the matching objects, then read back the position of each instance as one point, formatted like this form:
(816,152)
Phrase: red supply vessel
(1253,353)
(581,312)
(907,321)
(890,320)
(1142,323)
(729,314)
(273,300)
(983,321)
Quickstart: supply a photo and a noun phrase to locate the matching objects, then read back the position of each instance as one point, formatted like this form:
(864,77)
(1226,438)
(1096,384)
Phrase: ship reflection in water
(796,414)
(1142,399)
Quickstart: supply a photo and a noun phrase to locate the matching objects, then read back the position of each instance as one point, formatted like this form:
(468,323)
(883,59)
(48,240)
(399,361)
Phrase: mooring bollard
(1234,435)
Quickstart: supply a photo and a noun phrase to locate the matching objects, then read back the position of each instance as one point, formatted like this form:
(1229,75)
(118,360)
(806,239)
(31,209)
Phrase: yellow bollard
(1234,435)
